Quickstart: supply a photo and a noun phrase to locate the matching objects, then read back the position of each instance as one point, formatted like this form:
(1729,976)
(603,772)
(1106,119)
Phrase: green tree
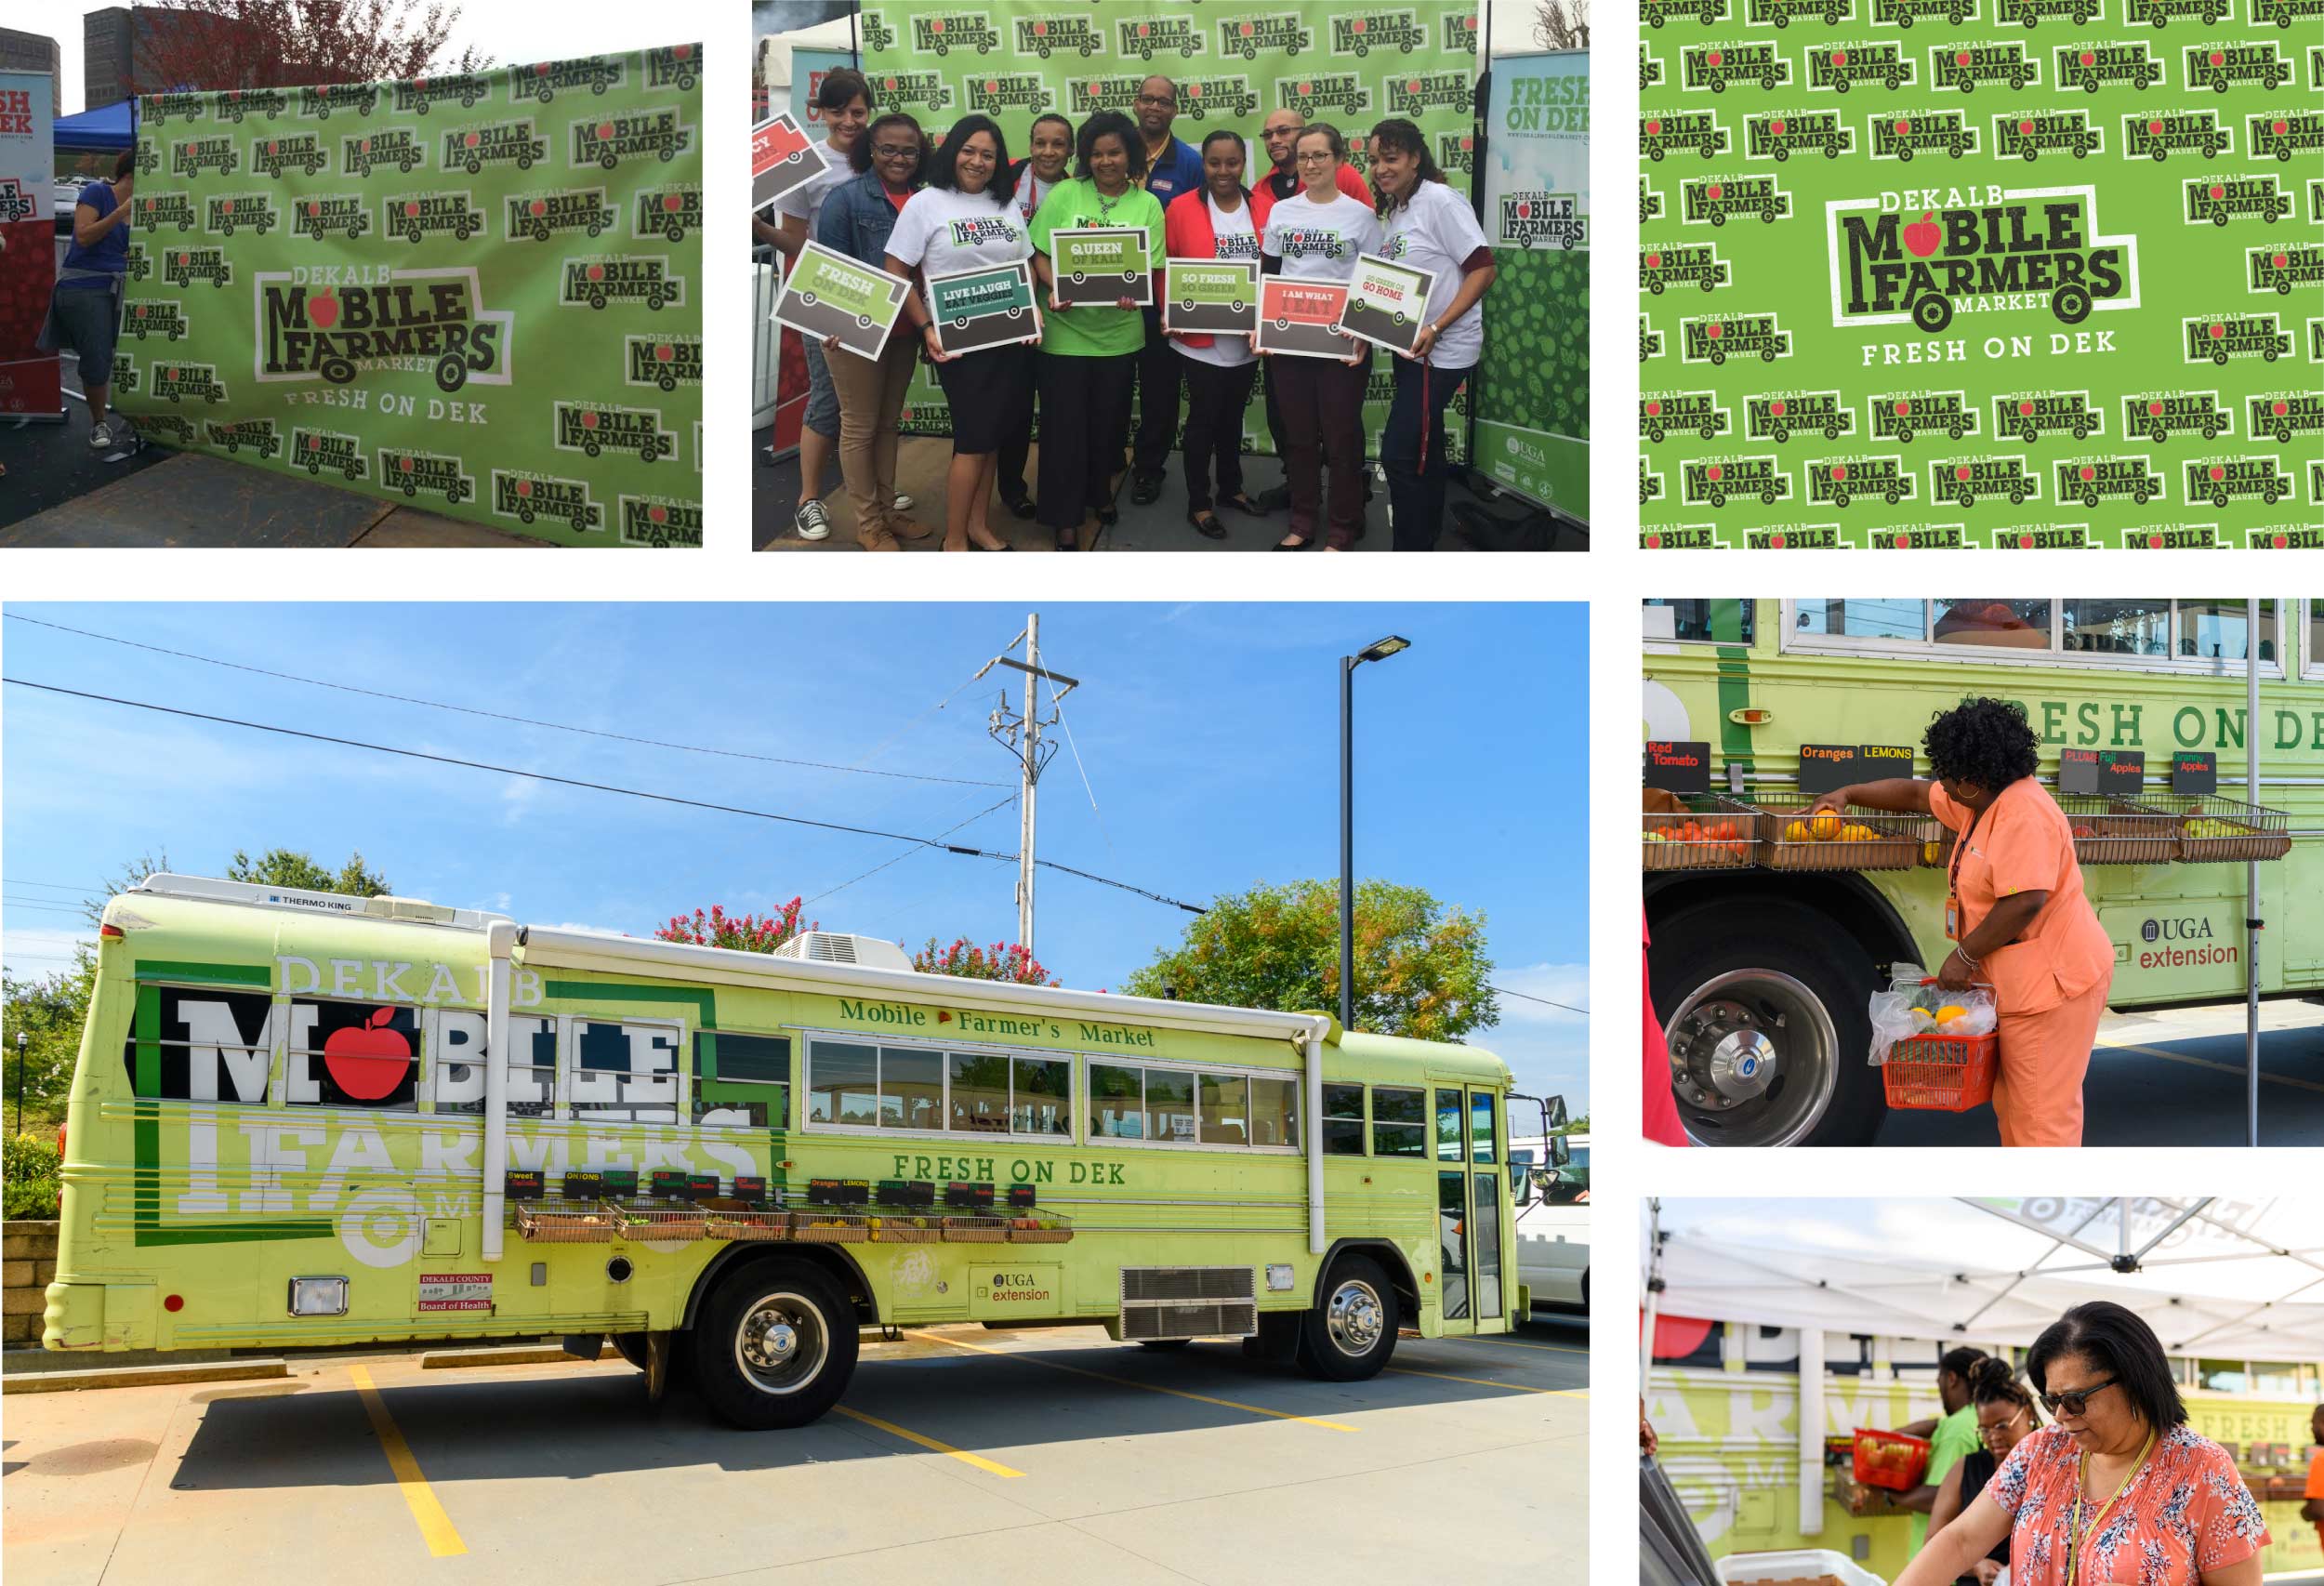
(289,867)
(49,1010)
(1420,967)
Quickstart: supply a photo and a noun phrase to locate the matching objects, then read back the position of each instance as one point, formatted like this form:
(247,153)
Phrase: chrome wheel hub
(780,1344)
(1354,1317)
(1753,1059)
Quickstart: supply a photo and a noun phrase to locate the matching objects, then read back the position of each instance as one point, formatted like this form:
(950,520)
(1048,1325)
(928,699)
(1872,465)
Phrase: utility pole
(1021,734)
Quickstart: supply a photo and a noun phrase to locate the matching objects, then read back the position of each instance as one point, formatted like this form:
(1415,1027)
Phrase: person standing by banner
(1281,134)
(1089,353)
(1037,176)
(845,100)
(85,309)
(857,220)
(1173,169)
(1215,222)
(1429,227)
(1316,237)
(964,219)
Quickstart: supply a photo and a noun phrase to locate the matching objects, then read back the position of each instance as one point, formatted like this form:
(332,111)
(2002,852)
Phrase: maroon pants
(1323,428)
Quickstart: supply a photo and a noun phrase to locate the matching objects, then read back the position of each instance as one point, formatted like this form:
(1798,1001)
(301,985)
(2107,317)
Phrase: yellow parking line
(435,1525)
(1483,1382)
(1149,1387)
(892,1430)
(2193,1062)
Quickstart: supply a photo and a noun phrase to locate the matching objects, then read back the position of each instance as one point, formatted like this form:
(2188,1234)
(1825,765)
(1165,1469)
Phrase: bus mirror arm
(501,938)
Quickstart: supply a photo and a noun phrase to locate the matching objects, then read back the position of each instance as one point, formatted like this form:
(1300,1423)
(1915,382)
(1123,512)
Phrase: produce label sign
(1387,302)
(1532,383)
(1681,766)
(983,308)
(29,382)
(1234,61)
(1211,296)
(2194,773)
(1301,317)
(2049,260)
(829,294)
(1100,264)
(480,295)
(781,158)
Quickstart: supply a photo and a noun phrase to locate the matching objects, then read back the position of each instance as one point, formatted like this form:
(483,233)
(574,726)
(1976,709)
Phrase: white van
(1553,1224)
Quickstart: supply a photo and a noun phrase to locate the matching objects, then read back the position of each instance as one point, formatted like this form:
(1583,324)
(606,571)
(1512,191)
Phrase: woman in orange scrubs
(2016,910)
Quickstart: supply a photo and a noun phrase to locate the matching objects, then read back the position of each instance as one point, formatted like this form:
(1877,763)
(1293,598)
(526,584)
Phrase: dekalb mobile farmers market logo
(673,66)
(1842,68)
(468,89)
(160,108)
(191,157)
(670,213)
(1662,266)
(594,427)
(1458,33)
(344,215)
(332,323)
(2208,338)
(1713,67)
(164,317)
(1779,415)
(1714,480)
(1783,13)
(997,1026)
(2030,135)
(2043,537)
(2221,479)
(233,104)
(1712,200)
(301,151)
(542,214)
(1778,137)
(226,213)
(183,267)
(2282,266)
(2090,67)
(175,382)
(2282,414)
(1539,216)
(1967,480)
(658,521)
(15,202)
(2217,200)
(528,496)
(1417,96)
(2221,67)
(595,279)
(1317,97)
(2017,250)
(320,451)
(425,473)
(2158,137)
(927,91)
(944,31)
(1006,91)
(1899,416)
(259,434)
(1361,31)
(1681,536)
(402,147)
(474,147)
(1056,32)
(320,102)
(1946,132)
(1966,67)
(1687,132)
(1119,92)
(418,215)
(1457,152)
(1837,480)
(606,141)
(1812,536)
(544,79)
(1146,37)
(1663,414)
(662,362)
(1717,338)
(2160,414)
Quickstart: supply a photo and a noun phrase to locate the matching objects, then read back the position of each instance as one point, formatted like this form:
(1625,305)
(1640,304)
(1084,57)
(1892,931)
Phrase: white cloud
(1568,983)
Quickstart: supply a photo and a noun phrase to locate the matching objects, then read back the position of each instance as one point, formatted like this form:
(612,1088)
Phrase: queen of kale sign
(2015,253)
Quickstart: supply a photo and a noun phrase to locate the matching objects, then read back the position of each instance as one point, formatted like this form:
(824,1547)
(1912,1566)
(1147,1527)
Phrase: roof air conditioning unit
(833,947)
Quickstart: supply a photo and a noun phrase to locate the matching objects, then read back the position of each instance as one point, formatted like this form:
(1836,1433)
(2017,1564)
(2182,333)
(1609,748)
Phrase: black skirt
(986,390)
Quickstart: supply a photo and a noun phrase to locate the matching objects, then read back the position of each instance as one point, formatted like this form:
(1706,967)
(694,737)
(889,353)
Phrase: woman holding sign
(855,220)
(1316,236)
(1090,349)
(1214,221)
(1431,227)
(2016,909)
(1037,176)
(963,221)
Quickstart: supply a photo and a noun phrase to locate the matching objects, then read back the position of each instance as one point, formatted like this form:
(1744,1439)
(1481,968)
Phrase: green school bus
(1763,976)
(299,1119)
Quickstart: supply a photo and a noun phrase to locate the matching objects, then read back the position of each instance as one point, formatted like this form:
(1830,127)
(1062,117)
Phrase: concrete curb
(142,1376)
(517,1355)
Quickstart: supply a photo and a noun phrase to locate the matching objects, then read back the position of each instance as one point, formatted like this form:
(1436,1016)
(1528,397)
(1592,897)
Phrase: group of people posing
(896,197)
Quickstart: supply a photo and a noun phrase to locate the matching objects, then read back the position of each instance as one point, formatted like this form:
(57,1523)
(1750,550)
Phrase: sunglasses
(2077,1404)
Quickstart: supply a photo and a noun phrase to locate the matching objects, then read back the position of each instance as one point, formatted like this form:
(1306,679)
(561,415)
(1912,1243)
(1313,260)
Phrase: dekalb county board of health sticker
(1999,273)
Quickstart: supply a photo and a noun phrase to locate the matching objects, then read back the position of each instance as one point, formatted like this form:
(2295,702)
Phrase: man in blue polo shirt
(1174,166)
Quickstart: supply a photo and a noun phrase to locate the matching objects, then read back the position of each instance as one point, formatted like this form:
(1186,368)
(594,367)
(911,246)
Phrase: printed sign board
(1100,264)
(781,158)
(1387,302)
(831,295)
(30,387)
(983,308)
(1211,296)
(1301,317)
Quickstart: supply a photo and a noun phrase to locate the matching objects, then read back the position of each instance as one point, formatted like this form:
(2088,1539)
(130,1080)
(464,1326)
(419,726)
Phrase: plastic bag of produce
(1894,1011)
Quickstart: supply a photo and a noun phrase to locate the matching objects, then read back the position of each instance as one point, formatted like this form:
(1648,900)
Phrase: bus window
(742,1082)
(1343,1120)
(1399,1121)
(1274,1113)
(843,1083)
(1861,619)
(979,1102)
(1487,1233)
(1480,1126)
(1226,1109)
(532,1080)
(1118,1102)
(1042,1102)
(2215,630)
(206,1046)
(621,1070)
(353,1054)
(2116,628)
(1449,1128)
(1452,1206)
(1169,1105)
(911,1088)
(1724,622)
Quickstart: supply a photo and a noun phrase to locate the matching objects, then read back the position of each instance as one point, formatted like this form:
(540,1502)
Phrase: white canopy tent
(2233,1279)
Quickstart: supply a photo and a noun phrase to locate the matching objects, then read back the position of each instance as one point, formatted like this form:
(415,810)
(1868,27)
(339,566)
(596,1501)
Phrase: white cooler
(1799,1563)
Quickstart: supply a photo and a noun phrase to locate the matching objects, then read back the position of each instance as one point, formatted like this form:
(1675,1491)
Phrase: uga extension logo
(2027,249)
(319,327)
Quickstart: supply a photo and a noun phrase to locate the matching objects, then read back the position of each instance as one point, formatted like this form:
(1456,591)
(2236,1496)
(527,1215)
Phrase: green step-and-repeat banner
(2008,273)
(475,294)
(1234,61)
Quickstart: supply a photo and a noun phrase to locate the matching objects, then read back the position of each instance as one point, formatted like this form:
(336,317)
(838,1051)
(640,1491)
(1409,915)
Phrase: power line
(590,786)
(908,853)
(1528,996)
(495,715)
(55,886)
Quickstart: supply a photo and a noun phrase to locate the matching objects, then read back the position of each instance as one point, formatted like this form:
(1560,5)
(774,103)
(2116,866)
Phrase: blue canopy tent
(106,128)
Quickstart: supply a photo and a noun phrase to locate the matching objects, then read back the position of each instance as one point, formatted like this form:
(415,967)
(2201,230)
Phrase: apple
(411,208)
(588,419)
(672,203)
(2089,58)
(315,442)
(322,308)
(1962,59)
(2088,472)
(404,464)
(1714,472)
(1713,331)
(2025,542)
(540,206)
(658,514)
(1903,408)
(683,52)
(2024,128)
(2154,126)
(2155,408)
(1653,410)
(665,354)
(1654,128)
(2217,58)
(368,1061)
(1904,542)
(2025,408)
(2154,542)
(2217,190)
(1716,190)
(1962,473)
(2217,330)
(2218,472)
(2279,541)
(604,130)
(1775,407)
(1839,472)
(2281,127)
(1356,26)
(1653,542)
(2280,408)
(597,272)
(1775,127)
(1653,261)
(524,487)
(472,139)
(1903,126)
(2281,260)
(1922,235)
(1776,540)
(1839,57)
(1714,58)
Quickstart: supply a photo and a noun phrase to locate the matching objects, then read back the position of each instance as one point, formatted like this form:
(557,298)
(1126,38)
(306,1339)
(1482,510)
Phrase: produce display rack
(911,1227)
(1936,841)
(1052,1229)
(563,1222)
(1890,841)
(2255,832)
(647,1218)
(979,1229)
(2109,830)
(739,1220)
(1712,833)
(822,1225)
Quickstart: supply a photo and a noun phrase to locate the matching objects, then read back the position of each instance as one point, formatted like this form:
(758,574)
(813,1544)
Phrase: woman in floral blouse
(2120,1492)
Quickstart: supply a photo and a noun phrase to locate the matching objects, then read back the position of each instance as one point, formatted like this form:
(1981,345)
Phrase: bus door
(1468,1210)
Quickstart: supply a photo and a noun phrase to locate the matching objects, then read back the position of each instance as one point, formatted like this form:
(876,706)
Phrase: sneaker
(101,438)
(904,502)
(811,521)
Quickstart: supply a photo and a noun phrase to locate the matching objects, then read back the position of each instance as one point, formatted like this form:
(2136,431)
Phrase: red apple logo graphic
(2025,542)
(472,139)
(420,82)
(1716,190)
(1961,60)
(887,83)
(1775,407)
(1356,26)
(604,131)
(524,487)
(2217,330)
(1839,57)
(2217,58)
(539,206)
(1144,28)
(1525,210)
(2281,408)
(314,209)
(683,52)
(658,514)
(2281,261)
(589,420)
(1245,29)
(1903,408)
(1468,142)
(2154,127)
(1654,128)
(1653,410)
(671,203)
(404,464)
(225,206)
(1962,473)
(323,309)
(183,260)
(1775,127)
(315,442)
(1412,85)
(1713,331)
(1307,88)
(2089,58)
(1041,30)
(2088,472)
(2154,542)
(1716,58)
(2279,541)
(2025,409)
(1903,126)
(541,69)
(1922,235)
(2283,127)
(2155,408)
(2217,190)
(665,352)
(936,26)
(1904,542)
(273,147)
(1653,261)
(1776,540)
(1839,471)
(597,272)
(411,208)
(367,1061)
(2218,472)
(1653,542)
(993,86)
(2024,129)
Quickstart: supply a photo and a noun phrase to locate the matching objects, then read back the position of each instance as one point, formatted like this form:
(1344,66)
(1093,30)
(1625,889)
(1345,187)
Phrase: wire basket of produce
(977,1230)
(1695,831)
(820,1225)
(737,1219)
(1936,841)
(1042,1228)
(1791,838)
(2213,831)
(566,1222)
(906,1228)
(1889,1460)
(2118,831)
(648,1219)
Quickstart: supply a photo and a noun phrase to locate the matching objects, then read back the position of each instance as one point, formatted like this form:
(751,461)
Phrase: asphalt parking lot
(958,1454)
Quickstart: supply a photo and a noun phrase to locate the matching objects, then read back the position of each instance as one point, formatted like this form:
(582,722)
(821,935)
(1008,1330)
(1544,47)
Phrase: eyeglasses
(2077,1404)
(894,150)
(1998,1427)
(1164,99)
(1310,156)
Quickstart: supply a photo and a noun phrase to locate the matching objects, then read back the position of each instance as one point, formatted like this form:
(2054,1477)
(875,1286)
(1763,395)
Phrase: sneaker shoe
(811,521)
(904,502)
(101,438)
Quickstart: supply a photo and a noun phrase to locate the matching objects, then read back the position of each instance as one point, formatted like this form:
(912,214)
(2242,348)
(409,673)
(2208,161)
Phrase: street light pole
(1378,651)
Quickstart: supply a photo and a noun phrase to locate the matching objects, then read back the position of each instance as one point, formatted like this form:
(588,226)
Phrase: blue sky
(1208,733)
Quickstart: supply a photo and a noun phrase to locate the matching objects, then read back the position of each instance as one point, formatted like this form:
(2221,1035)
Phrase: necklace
(1105,205)
(2077,1533)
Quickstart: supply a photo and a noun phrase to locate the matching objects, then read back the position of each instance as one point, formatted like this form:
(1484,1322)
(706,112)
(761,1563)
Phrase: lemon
(1950,1013)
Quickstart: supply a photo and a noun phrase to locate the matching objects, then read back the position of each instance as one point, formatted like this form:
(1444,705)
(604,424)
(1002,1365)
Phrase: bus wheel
(775,1346)
(1349,1336)
(1763,1003)
(1163,1344)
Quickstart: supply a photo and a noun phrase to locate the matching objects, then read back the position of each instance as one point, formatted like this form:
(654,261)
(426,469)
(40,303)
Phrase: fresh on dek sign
(373,278)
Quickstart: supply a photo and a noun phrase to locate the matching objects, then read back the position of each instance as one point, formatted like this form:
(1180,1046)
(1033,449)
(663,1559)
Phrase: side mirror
(1520,1185)
(1561,1153)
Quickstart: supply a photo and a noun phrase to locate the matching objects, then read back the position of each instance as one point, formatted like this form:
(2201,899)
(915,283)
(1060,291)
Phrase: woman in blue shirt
(85,309)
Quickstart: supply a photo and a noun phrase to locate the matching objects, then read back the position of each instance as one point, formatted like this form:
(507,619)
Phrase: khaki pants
(871,401)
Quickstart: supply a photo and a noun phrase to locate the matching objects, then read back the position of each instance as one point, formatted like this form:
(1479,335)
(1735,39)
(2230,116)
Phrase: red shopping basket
(1889,1460)
(1938,1073)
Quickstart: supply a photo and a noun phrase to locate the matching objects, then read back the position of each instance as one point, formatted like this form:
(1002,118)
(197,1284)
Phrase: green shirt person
(1951,1436)
(1096,330)
(1954,1438)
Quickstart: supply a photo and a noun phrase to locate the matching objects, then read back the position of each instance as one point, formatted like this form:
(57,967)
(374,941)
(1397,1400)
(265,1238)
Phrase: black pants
(1215,400)
(1085,417)
(1017,441)
(1415,474)
(1158,368)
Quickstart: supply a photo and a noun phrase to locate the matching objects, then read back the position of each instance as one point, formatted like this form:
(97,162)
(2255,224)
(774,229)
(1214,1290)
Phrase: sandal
(1294,545)
(1207,525)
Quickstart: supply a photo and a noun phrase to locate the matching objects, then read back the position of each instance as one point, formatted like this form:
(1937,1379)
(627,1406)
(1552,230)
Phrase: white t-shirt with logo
(806,199)
(946,232)
(1230,238)
(1031,191)
(1319,242)
(1435,231)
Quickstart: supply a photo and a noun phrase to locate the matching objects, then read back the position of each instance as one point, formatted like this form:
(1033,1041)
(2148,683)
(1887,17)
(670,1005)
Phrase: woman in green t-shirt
(1088,351)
